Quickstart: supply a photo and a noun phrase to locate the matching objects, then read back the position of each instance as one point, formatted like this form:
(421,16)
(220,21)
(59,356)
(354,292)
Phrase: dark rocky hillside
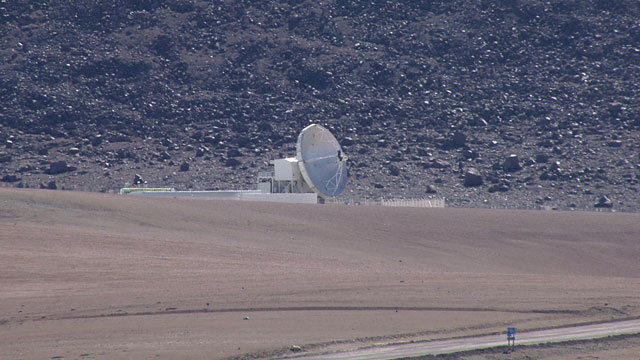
(519,104)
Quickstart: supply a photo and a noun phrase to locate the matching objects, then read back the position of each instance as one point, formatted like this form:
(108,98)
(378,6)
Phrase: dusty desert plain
(99,276)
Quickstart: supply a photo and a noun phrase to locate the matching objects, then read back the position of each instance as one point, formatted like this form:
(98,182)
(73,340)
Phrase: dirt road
(479,342)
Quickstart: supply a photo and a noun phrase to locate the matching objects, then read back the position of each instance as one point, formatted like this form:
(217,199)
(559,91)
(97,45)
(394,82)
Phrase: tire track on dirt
(174,311)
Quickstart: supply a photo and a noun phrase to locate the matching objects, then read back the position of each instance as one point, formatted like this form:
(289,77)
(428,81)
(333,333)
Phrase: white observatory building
(319,167)
(317,172)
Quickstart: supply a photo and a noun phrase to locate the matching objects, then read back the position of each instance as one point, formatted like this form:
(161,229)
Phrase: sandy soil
(88,275)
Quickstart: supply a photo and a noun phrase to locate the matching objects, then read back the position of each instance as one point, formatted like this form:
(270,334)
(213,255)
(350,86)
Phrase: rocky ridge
(518,104)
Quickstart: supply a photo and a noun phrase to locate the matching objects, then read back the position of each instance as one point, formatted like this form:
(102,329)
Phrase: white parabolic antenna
(321,161)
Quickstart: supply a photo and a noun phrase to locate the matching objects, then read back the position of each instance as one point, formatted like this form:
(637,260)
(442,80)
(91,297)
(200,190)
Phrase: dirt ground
(97,276)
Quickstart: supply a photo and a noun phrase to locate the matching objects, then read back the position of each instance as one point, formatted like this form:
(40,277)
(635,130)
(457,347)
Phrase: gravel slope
(201,95)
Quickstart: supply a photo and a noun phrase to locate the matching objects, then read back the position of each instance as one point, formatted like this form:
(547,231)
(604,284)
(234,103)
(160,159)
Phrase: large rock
(502,186)
(241,140)
(603,202)
(210,139)
(458,139)
(96,140)
(232,162)
(10,178)
(4,157)
(511,163)
(472,177)
(51,185)
(138,180)
(234,153)
(452,141)
(439,164)
(542,158)
(59,167)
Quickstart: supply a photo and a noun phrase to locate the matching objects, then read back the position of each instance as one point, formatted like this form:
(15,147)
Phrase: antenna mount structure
(320,166)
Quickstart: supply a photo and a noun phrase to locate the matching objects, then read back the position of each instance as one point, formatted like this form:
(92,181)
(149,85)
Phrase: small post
(511,338)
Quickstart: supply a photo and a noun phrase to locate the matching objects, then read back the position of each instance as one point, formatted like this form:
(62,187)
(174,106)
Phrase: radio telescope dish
(321,161)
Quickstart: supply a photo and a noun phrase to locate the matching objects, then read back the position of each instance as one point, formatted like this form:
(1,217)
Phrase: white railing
(426,203)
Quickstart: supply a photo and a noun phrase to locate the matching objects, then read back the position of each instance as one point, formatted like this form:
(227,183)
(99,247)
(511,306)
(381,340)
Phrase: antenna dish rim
(341,178)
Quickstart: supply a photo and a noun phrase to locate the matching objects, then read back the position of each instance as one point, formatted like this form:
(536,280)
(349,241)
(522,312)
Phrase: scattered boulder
(511,163)
(439,164)
(430,190)
(458,139)
(25,168)
(184,166)
(455,140)
(397,156)
(73,151)
(4,157)
(197,135)
(469,154)
(265,126)
(502,186)
(615,143)
(138,180)
(232,162)
(542,158)
(241,140)
(51,185)
(603,202)
(347,141)
(472,177)
(295,348)
(123,153)
(59,167)
(548,176)
(234,153)
(547,143)
(394,170)
(10,178)
(96,140)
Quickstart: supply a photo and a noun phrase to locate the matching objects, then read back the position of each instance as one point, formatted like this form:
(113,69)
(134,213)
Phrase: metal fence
(424,203)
